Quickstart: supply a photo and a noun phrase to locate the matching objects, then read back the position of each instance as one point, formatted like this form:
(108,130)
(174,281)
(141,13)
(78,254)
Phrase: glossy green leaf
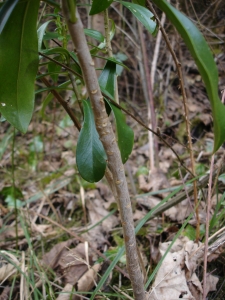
(204,60)
(90,154)
(125,134)
(51,35)
(54,70)
(107,79)
(114,60)
(19,64)
(52,3)
(94,34)
(142,14)
(98,6)
(41,33)
(102,45)
(6,11)
(140,2)
(57,50)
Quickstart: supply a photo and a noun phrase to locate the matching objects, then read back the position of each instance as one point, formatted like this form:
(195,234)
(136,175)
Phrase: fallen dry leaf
(52,258)
(7,269)
(66,293)
(73,264)
(88,280)
(176,277)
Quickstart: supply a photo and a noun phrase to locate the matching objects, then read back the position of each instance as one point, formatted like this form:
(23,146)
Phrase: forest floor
(62,224)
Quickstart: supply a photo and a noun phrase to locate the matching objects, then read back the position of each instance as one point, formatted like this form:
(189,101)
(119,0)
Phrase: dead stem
(207,227)
(183,92)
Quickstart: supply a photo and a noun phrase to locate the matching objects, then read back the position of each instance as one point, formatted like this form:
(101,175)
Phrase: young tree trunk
(108,140)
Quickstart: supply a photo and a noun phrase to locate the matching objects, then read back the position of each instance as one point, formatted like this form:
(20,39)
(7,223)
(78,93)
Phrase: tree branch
(108,140)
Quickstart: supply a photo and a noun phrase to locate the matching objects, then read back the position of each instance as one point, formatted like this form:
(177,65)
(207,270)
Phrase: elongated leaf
(19,64)
(90,154)
(41,33)
(102,45)
(108,77)
(54,70)
(98,6)
(113,59)
(95,34)
(6,11)
(125,134)
(56,50)
(52,3)
(140,2)
(204,60)
(142,14)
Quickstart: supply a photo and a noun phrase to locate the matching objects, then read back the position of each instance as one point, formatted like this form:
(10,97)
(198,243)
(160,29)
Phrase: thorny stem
(180,75)
(108,140)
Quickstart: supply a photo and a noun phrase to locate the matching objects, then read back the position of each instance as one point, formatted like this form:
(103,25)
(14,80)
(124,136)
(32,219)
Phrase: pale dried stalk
(186,113)
(108,140)
(207,227)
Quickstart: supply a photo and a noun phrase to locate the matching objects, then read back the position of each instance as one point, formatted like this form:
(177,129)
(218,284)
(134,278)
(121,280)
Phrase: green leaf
(98,6)
(19,64)
(190,232)
(108,77)
(90,154)
(52,3)
(12,196)
(140,2)
(51,35)
(102,45)
(125,134)
(57,50)
(202,55)
(6,11)
(41,33)
(94,34)
(142,14)
(54,70)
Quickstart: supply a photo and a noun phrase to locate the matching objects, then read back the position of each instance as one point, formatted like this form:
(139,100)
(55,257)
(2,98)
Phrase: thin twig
(182,196)
(207,228)
(153,145)
(156,51)
(64,104)
(183,92)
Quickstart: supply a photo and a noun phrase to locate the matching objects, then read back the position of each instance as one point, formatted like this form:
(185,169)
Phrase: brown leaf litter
(74,267)
(177,277)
